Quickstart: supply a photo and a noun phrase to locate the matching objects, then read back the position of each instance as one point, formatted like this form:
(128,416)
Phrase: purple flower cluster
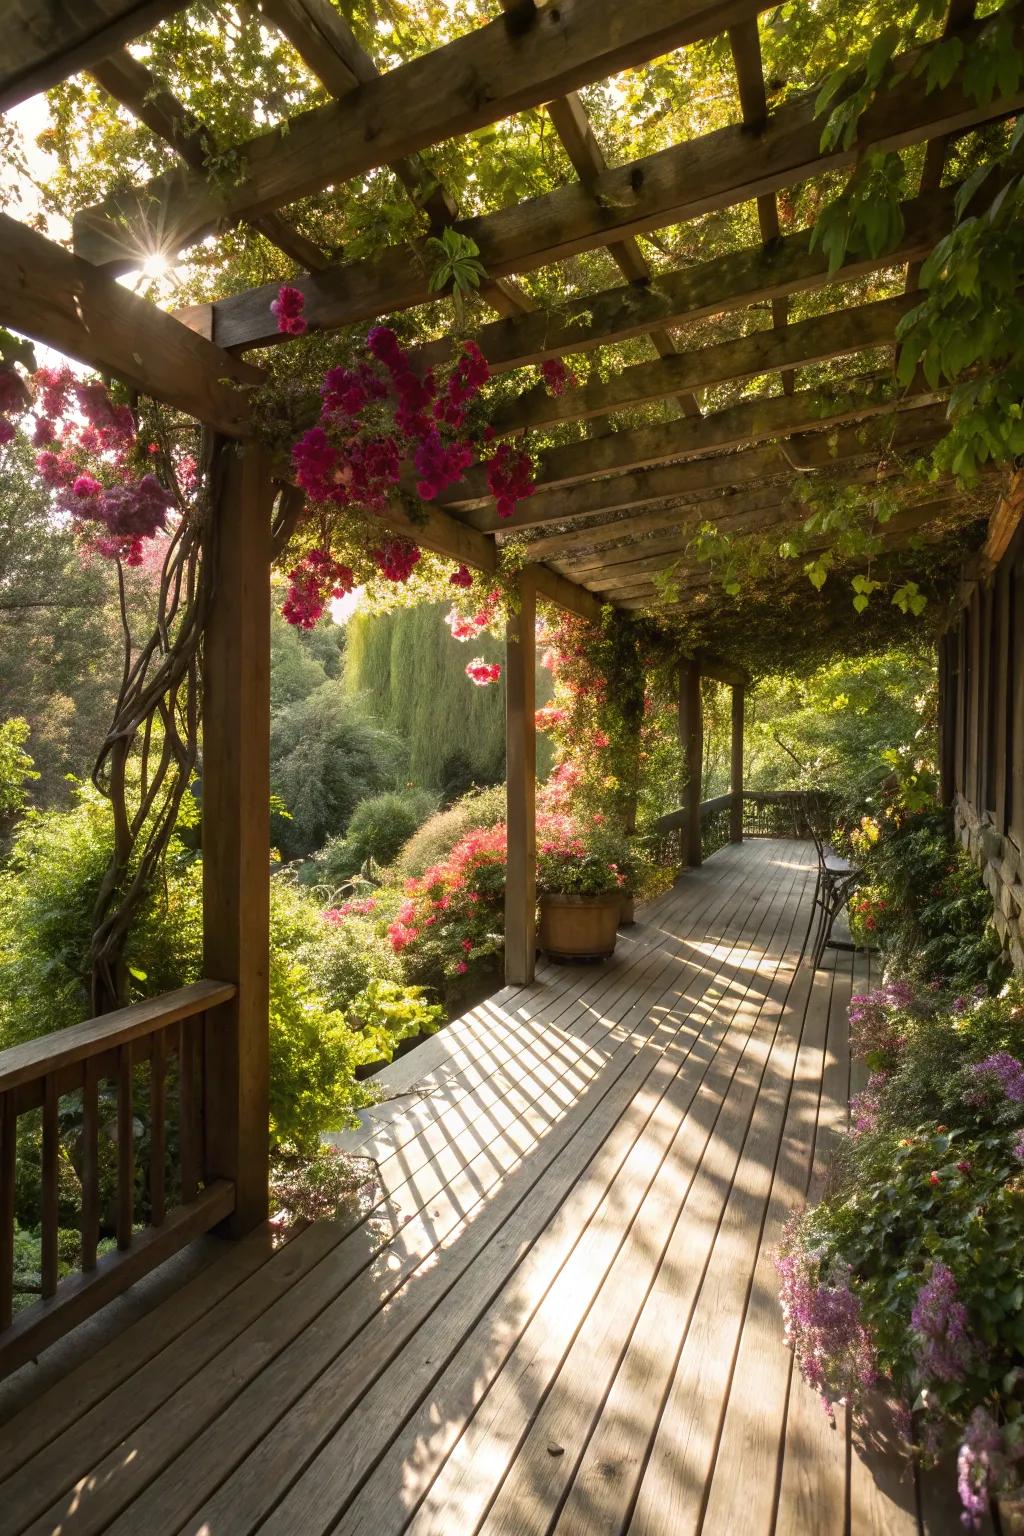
(864,1106)
(939,1319)
(985,1465)
(1005,1070)
(823,1325)
(872,1025)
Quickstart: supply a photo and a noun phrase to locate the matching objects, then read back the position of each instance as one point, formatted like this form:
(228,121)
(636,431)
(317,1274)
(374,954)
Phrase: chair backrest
(807,813)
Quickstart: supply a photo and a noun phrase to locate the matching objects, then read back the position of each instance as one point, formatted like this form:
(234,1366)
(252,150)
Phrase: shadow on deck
(553,1308)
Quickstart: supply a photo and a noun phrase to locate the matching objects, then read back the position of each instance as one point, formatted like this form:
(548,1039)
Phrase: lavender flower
(872,1025)
(1018,1148)
(939,1319)
(865,1106)
(823,1325)
(1007,1071)
(980,1463)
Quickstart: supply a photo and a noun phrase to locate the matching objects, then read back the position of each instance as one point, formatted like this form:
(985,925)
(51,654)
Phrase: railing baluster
(125,1148)
(90,1164)
(8,1160)
(189,1129)
(85,1056)
(157,1101)
(50,1192)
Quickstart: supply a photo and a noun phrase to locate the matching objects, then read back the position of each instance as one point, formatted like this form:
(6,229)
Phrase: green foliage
(455,267)
(47,889)
(16,766)
(866,219)
(379,827)
(411,674)
(326,755)
(596,869)
(833,726)
(439,833)
(388,1012)
(924,901)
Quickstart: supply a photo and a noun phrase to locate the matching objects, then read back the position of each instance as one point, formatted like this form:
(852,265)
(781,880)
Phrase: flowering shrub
(483,672)
(907,1274)
(571,863)
(922,900)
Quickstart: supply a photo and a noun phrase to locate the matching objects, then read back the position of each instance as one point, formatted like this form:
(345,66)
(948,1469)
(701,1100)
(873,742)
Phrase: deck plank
(257,1481)
(464,1472)
(554,1310)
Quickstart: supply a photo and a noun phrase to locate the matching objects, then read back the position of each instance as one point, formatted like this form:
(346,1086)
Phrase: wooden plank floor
(553,1309)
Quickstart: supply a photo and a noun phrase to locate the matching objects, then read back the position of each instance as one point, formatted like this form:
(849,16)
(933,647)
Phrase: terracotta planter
(627,909)
(579,927)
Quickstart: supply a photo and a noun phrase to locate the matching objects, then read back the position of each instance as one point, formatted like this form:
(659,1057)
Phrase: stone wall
(1002,869)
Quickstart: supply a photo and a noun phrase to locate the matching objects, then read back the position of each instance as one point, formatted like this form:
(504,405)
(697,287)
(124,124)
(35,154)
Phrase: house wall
(981,684)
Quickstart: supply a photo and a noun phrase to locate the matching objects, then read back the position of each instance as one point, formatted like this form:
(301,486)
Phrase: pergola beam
(679,183)
(509,65)
(60,300)
(328,47)
(815,340)
(131,83)
(745,42)
(914,432)
(44,44)
(648,448)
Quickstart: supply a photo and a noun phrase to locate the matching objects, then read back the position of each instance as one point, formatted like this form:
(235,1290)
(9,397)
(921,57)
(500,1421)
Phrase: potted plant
(580,883)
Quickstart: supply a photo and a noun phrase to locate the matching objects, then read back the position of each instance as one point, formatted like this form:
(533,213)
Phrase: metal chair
(837,879)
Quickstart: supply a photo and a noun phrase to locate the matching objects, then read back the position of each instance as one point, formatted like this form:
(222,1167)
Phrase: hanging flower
(287,309)
(557,377)
(483,673)
(463,577)
(396,559)
(510,478)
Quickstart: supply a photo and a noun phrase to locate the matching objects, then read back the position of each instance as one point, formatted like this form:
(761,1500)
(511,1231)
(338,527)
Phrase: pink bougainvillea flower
(482,673)
(287,309)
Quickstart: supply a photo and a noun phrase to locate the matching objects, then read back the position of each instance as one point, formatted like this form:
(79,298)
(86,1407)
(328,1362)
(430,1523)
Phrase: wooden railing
(771,813)
(95,1098)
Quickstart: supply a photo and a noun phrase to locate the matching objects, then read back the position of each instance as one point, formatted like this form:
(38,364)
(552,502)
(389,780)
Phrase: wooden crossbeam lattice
(515,62)
(327,46)
(134,86)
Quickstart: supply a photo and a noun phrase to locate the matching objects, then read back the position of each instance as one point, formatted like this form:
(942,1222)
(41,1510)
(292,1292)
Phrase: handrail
(48,1053)
(164,1037)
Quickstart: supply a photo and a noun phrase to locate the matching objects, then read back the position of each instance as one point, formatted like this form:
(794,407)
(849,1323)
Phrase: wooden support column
(521,764)
(691,741)
(736,772)
(236,831)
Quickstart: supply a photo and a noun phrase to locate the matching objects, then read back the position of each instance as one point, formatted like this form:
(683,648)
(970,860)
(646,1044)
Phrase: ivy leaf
(910,599)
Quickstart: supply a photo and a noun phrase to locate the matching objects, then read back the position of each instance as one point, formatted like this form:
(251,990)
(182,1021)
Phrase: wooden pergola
(611,510)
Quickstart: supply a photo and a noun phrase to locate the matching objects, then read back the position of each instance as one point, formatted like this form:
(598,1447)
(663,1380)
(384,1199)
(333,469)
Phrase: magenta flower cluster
(316,579)
(88,455)
(380,416)
(287,310)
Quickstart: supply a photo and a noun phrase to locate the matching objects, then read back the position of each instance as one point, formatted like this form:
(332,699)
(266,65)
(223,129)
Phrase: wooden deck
(554,1310)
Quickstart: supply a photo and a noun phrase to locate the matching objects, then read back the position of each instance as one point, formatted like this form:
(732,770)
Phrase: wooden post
(521,764)
(736,772)
(236,832)
(691,741)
